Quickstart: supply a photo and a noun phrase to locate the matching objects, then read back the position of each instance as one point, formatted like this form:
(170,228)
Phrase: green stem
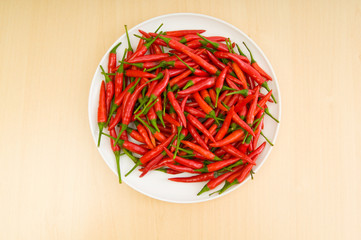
(266,110)
(265,85)
(189,67)
(204,189)
(240,51)
(244,92)
(270,143)
(129,45)
(158,28)
(117,158)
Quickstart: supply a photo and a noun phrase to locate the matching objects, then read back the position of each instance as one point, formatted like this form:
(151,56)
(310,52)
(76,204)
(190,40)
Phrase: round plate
(156,184)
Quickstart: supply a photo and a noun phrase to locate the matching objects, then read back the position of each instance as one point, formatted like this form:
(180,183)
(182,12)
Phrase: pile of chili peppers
(192,103)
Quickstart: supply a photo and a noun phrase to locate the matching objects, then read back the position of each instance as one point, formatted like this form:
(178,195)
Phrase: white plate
(155,184)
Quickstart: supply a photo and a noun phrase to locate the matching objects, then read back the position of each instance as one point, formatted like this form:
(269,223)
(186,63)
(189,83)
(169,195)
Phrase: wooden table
(55,185)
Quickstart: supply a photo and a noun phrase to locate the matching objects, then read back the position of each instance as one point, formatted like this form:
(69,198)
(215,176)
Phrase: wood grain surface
(55,185)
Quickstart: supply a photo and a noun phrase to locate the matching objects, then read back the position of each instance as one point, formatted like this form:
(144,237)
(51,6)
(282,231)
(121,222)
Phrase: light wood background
(55,185)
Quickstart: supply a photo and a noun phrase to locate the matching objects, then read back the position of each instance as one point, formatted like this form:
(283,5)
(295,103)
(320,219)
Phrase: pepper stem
(101,126)
(117,158)
(270,143)
(135,166)
(114,49)
(240,51)
(129,45)
(189,67)
(124,127)
(217,96)
(214,44)
(266,110)
(250,53)
(188,84)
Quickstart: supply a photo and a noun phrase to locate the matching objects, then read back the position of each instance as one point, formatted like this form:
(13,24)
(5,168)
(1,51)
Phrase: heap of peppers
(185,103)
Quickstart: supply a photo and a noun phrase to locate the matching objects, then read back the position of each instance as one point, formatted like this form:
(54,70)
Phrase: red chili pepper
(114,121)
(245,173)
(191,81)
(198,178)
(112,60)
(224,129)
(109,88)
(197,137)
(205,84)
(149,58)
(151,164)
(195,112)
(263,102)
(256,66)
(239,106)
(183,103)
(219,82)
(203,105)
(143,132)
(240,75)
(132,147)
(135,135)
(235,136)
(138,73)
(171,120)
(252,108)
(119,76)
(202,151)
(102,111)
(185,162)
(180,168)
(156,151)
(247,68)
(212,167)
(196,123)
(177,108)
(241,123)
(235,152)
(215,60)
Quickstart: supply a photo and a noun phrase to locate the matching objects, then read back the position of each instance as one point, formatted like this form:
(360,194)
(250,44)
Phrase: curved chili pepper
(196,123)
(109,88)
(185,162)
(177,108)
(205,84)
(202,151)
(143,132)
(225,126)
(102,111)
(152,163)
(256,66)
(243,65)
(195,112)
(197,137)
(252,108)
(198,178)
(235,152)
(204,106)
(112,60)
(149,58)
(231,138)
(156,151)
(115,120)
(119,76)
(212,167)
(180,168)
(135,135)
(171,120)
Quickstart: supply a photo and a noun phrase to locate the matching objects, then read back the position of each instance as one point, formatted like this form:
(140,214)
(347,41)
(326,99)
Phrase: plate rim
(185,14)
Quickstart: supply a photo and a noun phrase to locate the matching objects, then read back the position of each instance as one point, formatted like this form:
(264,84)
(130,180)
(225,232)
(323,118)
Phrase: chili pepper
(240,75)
(143,132)
(102,111)
(158,110)
(109,89)
(135,135)
(209,82)
(196,123)
(197,137)
(116,150)
(242,124)
(206,97)
(191,81)
(215,60)
(204,106)
(138,73)
(177,108)
(245,173)
(233,137)
(262,102)
(171,120)
(156,151)
(128,108)
(216,181)
(160,87)
(129,145)
(202,151)
(212,167)
(225,126)
(252,108)
(152,132)
(114,121)
(152,163)
(243,65)
(149,58)
(215,45)
(119,75)
(112,60)
(180,168)
(142,50)
(153,118)
(195,112)
(198,178)
(183,103)
(256,66)
(219,82)
(239,106)
(185,162)
(235,152)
